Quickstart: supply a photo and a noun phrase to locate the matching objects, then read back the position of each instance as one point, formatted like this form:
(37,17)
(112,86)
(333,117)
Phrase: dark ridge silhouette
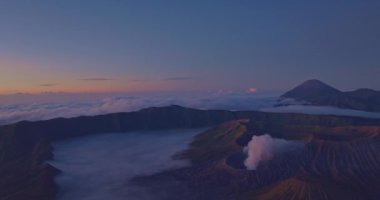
(311,88)
(25,146)
(318,93)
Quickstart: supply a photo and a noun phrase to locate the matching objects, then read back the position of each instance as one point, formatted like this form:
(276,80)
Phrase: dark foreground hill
(26,146)
(318,93)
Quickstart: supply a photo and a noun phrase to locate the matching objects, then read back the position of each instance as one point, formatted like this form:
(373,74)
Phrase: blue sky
(100,46)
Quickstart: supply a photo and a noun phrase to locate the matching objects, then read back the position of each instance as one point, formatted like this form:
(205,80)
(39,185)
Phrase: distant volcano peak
(311,88)
(318,93)
(315,84)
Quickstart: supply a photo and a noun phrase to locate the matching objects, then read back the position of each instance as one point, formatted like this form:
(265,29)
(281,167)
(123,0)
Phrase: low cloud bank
(61,105)
(320,110)
(99,167)
(264,148)
(11,113)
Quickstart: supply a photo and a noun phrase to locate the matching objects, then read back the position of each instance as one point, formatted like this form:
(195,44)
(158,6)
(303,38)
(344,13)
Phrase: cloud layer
(11,113)
(98,167)
(34,108)
(320,110)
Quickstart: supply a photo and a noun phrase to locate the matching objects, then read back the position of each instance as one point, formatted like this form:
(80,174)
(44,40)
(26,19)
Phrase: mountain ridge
(25,146)
(316,92)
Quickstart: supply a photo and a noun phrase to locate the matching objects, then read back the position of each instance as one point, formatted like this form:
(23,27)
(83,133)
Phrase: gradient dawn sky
(160,45)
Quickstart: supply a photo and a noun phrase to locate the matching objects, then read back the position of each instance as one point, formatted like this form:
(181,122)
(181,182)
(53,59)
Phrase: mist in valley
(100,166)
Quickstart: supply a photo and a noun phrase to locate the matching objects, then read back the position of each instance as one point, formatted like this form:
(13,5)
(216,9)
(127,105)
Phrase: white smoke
(264,148)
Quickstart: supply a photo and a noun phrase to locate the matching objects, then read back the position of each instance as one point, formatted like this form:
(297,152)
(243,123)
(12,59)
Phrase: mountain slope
(336,163)
(312,88)
(318,93)
(25,146)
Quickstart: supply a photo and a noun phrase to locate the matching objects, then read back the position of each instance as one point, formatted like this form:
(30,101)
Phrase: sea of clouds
(99,167)
(28,108)
(95,105)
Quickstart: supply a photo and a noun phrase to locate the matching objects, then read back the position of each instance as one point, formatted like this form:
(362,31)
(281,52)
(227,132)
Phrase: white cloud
(320,110)
(252,90)
(99,167)
(61,105)
(11,113)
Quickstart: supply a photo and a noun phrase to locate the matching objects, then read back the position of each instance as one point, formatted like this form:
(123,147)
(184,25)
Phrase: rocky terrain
(340,155)
(336,163)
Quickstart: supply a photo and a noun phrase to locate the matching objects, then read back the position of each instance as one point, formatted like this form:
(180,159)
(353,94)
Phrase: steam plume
(263,148)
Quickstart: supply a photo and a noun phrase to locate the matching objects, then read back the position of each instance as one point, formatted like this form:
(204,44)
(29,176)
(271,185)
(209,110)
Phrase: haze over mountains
(11,113)
(318,93)
(337,159)
(312,97)
(104,163)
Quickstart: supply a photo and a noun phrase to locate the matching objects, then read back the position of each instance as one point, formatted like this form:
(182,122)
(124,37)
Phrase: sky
(160,45)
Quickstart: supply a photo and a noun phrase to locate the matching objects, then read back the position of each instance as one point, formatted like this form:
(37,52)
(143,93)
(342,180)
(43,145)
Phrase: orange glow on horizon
(34,77)
(79,88)
(19,76)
